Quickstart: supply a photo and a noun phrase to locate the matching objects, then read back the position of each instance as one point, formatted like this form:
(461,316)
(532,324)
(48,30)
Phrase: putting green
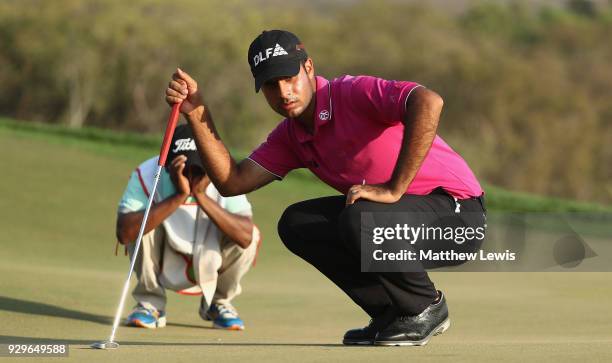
(61,282)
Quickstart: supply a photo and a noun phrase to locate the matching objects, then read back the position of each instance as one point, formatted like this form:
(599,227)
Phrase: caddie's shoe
(146,318)
(366,335)
(224,317)
(417,329)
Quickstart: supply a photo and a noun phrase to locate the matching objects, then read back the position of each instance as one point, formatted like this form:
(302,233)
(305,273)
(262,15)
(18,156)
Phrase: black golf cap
(275,53)
(183,143)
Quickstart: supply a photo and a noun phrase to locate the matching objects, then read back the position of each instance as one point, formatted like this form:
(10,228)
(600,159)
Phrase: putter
(163,154)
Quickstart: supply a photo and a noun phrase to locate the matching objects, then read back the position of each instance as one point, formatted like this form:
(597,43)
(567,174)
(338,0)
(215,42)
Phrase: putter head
(105,345)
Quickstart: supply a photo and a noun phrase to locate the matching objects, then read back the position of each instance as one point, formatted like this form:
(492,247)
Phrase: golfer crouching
(373,140)
(196,241)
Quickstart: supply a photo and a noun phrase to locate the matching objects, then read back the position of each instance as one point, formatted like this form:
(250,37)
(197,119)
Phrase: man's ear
(309,67)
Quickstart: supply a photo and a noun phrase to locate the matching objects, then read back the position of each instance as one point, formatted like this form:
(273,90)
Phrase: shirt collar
(323,109)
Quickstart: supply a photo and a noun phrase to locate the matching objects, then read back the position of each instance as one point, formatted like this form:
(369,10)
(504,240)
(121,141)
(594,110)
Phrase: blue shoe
(224,317)
(146,318)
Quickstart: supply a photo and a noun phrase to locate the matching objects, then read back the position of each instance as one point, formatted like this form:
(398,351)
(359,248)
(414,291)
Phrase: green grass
(61,282)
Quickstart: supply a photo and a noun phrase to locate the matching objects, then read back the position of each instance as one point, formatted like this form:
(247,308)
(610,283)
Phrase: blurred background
(526,83)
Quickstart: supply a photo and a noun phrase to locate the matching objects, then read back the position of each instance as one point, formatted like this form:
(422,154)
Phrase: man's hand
(177,166)
(381,193)
(199,185)
(183,88)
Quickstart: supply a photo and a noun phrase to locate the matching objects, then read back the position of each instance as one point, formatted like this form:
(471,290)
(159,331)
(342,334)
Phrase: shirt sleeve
(275,154)
(381,100)
(239,205)
(134,198)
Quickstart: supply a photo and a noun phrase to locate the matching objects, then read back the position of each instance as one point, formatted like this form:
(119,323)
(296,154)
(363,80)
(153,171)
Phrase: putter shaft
(111,339)
(163,154)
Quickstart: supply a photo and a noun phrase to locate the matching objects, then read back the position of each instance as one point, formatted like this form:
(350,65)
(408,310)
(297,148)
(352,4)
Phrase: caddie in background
(196,241)
(375,142)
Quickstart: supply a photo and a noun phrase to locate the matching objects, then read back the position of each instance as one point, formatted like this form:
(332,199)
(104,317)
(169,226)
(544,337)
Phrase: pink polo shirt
(357,135)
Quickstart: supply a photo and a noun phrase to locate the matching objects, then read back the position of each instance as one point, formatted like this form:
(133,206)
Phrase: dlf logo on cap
(275,53)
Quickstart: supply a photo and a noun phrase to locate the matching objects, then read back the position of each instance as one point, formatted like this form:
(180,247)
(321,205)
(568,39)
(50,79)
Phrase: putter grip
(172,120)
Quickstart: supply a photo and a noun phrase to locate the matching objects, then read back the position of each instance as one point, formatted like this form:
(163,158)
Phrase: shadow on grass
(8,339)
(39,308)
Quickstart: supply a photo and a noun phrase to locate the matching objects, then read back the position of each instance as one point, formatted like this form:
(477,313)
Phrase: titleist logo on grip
(184,145)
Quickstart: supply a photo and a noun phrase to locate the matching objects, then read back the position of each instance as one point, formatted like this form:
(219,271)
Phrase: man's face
(291,96)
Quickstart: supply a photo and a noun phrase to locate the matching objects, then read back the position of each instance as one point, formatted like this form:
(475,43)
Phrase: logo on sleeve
(268,53)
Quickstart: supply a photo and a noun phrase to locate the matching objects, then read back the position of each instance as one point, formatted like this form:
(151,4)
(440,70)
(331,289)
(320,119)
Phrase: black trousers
(327,235)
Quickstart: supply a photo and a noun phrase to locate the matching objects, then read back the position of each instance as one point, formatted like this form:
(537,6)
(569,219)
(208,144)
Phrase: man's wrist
(181,196)
(203,200)
(201,195)
(396,189)
(197,114)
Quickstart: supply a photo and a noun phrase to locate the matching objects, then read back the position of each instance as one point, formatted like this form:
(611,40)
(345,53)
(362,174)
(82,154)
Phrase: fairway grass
(60,281)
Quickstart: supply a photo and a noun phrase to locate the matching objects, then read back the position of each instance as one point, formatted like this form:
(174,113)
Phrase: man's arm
(128,224)
(229,177)
(423,109)
(236,227)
